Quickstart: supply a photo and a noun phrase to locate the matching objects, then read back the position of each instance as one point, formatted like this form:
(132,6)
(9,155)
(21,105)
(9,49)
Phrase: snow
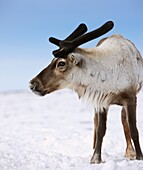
(55,132)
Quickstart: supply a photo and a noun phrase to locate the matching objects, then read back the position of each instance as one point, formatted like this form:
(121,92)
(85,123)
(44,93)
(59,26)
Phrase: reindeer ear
(75,59)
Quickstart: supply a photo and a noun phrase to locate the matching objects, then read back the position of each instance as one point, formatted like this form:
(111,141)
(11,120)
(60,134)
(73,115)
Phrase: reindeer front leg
(100,132)
(95,128)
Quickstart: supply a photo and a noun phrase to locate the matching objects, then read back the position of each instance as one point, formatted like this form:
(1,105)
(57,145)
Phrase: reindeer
(110,73)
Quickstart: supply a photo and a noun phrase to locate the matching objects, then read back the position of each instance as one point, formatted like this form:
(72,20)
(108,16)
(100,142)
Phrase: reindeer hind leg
(130,152)
(131,113)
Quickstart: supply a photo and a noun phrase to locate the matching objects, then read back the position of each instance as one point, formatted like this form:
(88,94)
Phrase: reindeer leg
(95,127)
(131,113)
(130,152)
(100,132)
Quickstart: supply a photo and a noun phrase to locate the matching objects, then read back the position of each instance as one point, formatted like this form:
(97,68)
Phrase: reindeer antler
(81,29)
(76,39)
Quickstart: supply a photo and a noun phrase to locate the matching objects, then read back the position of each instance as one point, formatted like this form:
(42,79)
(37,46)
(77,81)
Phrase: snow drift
(56,133)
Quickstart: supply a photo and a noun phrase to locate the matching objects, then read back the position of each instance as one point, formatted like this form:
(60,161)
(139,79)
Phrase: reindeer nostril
(33,85)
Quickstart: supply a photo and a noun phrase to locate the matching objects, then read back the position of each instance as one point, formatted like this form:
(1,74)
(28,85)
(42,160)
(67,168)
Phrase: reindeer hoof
(130,154)
(140,157)
(96,159)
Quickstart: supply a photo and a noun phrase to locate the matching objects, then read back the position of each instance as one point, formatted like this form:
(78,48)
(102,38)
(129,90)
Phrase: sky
(26,25)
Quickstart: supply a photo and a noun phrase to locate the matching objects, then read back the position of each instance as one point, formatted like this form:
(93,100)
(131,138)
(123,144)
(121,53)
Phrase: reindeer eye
(61,64)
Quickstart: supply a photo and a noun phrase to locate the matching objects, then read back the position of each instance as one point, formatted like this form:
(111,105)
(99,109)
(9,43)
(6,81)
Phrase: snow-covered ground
(55,132)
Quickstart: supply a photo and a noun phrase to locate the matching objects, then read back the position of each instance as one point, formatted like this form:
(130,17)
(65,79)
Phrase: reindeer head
(58,74)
